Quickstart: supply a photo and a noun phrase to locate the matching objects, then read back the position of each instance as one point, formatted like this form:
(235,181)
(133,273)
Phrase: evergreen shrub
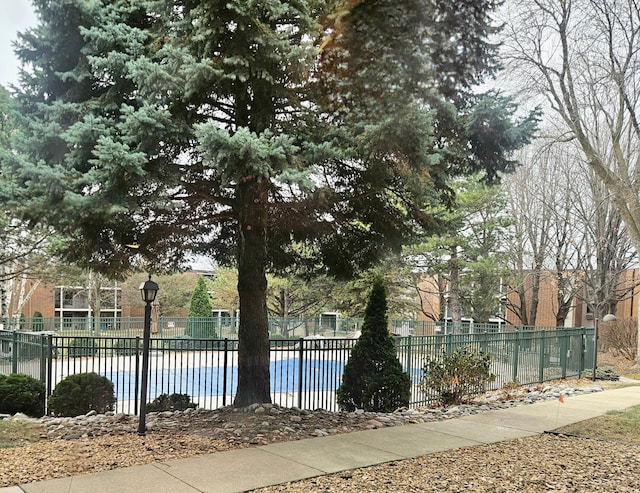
(21,394)
(173,402)
(80,393)
(200,323)
(127,347)
(37,322)
(81,347)
(29,347)
(373,379)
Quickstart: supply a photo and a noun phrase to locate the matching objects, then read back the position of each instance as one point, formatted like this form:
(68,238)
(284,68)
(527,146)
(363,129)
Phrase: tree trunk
(253,331)
(454,292)
(95,300)
(535,293)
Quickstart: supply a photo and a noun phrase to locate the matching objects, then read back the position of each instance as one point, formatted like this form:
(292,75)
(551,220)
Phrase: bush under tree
(455,377)
(173,402)
(21,394)
(80,393)
(373,379)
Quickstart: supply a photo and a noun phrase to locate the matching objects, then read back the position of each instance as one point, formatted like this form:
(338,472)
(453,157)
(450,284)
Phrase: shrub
(279,341)
(621,337)
(455,377)
(81,347)
(200,304)
(21,394)
(179,343)
(29,347)
(510,389)
(80,393)
(173,402)
(200,324)
(126,347)
(606,373)
(201,329)
(373,379)
(37,322)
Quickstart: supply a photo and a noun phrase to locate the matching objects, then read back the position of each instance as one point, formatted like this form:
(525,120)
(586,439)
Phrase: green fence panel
(305,372)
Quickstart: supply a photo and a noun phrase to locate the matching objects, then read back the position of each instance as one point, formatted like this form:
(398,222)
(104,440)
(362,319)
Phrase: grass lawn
(621,426)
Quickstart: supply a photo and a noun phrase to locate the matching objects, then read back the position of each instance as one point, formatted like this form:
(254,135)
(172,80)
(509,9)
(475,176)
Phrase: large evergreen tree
(264,133)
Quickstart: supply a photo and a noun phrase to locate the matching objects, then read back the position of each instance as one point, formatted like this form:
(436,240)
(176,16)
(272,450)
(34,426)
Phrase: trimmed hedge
(22,394)
(80,393)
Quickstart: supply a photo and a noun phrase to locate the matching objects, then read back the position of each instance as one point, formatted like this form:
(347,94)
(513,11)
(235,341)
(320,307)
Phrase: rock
(273,421)
(375,424)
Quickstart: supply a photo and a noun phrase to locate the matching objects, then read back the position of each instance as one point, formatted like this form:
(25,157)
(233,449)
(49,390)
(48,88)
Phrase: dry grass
(18,433)
(615,425)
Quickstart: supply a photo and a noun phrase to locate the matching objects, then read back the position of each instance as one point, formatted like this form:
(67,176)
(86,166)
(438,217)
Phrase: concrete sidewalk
(246,469)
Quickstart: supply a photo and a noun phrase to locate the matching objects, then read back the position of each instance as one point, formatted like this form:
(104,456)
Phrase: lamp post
(148,290)
(607,318)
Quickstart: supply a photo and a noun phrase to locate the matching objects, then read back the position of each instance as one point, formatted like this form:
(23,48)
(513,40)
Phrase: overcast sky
(15,15)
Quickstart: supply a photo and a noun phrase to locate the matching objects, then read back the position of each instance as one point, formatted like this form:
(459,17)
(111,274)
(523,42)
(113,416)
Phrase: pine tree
(373,378)
(229,128)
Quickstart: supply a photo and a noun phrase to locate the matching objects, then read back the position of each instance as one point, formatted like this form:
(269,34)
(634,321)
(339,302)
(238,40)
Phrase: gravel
(542,463)
(96,442)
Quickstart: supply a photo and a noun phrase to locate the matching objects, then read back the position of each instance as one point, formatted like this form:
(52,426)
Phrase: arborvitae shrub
(200,324)
(127,347)
(173,402)
(21,394)
(373,378)
(455,377)
(201,329)
(80,393)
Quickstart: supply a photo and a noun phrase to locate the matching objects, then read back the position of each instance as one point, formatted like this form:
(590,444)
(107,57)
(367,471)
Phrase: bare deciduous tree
(584,57)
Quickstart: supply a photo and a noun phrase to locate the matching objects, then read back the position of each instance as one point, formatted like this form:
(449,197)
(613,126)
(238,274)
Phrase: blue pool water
(317,375)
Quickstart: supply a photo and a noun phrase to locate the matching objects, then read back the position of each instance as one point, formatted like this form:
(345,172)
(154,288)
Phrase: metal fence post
(449,343)
(564,346)
(583,353)
(136,385)
(300,372)
(541,360)
(14,352)
(409,340)
(224,371)
(49,381)
(516,356)
(43,358)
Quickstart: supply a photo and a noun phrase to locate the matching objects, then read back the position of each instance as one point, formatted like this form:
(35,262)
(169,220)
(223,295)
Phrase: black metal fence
(304,372)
